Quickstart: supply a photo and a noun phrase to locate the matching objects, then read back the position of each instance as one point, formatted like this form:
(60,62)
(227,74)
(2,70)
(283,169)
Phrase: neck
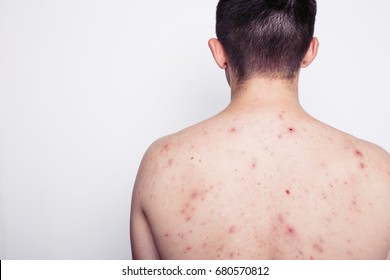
(258,93)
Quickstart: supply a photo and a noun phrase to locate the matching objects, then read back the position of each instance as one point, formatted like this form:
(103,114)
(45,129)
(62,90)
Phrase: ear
(311,53)
(218,53)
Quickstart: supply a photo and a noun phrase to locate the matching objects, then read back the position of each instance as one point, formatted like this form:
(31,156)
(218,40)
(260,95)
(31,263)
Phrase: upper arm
(142,242)
(141,236)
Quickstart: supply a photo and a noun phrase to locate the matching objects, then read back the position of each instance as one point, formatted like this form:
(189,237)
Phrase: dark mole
(288,192)
(166,235)
(192,158)
(291,129)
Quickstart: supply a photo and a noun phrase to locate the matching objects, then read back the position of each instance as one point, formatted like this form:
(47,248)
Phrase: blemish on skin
(280,219)
(204,245)
(170,162)
(288,192)
(220,248)
(311,257)
(358,153)
(232,229)
(181,235)
(291,129)
(318,248)
(192,158)
(231,255)
(187,249)
(166,147)
(254,165)
(166,235)
(362,165)
(194,194)
(233,130)
(290,230)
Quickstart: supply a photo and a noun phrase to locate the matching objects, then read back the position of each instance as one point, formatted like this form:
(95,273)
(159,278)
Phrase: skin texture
(262,180)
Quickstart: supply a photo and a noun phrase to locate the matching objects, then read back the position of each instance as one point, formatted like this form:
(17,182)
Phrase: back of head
(265,37)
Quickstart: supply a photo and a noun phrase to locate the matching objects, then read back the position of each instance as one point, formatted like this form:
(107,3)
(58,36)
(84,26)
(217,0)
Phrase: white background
(87,85)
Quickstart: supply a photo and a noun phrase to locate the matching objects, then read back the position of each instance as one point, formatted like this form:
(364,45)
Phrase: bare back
(269,185)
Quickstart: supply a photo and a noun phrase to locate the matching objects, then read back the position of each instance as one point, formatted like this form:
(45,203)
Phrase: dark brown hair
(266,37)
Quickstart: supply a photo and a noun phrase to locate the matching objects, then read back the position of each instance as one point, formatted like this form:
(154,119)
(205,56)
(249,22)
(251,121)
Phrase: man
(262,179)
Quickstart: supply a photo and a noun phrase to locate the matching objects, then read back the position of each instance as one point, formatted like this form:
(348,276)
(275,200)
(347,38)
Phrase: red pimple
(362,165)
(291,230)
(170,162)
(281,218)
(188,248)
(233,130)
(291,130)
(358,153)
(194,194)
(254,165)
(232,229)
(166,147)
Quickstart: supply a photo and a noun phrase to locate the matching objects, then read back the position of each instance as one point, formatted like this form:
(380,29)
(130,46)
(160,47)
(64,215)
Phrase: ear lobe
(311,53)
(218,53)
